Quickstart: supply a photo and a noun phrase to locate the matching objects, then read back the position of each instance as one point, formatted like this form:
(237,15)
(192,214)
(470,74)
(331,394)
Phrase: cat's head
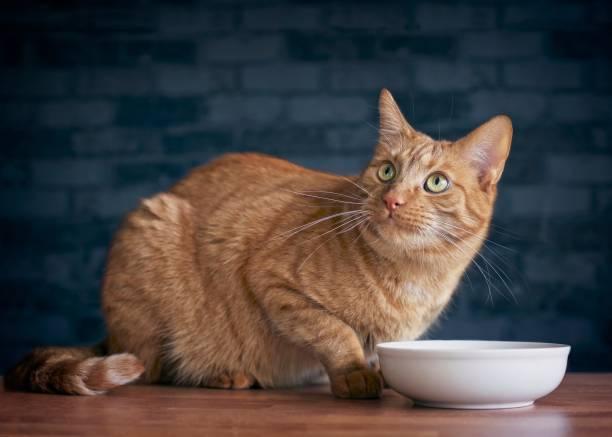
(426,194)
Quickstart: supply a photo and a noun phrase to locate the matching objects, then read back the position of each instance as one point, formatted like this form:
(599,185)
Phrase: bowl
(473,374)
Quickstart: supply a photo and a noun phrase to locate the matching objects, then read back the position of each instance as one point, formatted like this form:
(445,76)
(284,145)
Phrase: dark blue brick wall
(104,102)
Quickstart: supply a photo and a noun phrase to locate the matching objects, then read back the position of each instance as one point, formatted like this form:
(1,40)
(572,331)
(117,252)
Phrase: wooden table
(581,406)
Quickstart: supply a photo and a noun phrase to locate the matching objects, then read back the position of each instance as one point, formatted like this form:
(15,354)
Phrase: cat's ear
(487,148)
(392,121)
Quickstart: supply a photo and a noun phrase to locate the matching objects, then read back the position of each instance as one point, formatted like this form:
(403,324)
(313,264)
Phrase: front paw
(360,383)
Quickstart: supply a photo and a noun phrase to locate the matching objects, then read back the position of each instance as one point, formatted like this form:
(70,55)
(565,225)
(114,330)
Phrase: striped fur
(254,271)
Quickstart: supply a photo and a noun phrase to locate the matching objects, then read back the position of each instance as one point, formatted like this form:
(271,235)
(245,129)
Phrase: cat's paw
(360,383)
(233,380)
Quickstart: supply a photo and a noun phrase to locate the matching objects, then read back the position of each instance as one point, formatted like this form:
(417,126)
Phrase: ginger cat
(254,271)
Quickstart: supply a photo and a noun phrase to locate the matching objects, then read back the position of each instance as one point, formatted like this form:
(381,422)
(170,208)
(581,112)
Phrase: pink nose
(393,201)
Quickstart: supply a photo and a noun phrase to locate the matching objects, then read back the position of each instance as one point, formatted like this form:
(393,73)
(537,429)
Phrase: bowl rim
(506,349)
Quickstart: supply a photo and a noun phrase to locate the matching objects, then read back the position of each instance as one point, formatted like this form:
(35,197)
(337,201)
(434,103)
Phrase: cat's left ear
(487,148)
(392,121)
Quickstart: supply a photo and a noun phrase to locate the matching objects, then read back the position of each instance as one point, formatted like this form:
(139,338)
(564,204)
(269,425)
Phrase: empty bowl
(473,374)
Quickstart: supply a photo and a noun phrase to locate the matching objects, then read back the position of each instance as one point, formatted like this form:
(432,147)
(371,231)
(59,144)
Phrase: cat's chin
(401,237)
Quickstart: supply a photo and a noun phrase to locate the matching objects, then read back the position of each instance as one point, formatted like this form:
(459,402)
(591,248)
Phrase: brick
(61,268)
(180,19)
(66,52)
(25,265)
(102,82)
(39,83)
(470,327)
(577,269)
(580,108)
(524,167)
(202,142)
(309,46)
(249,109)
(121,16)
(602,73)
(453,17)
(580,44)
(520,106)
(544,16)
(72,113)
(90,328)
(234,48)
(190,81)
(280,140)
(21,114)
(543,75)
(109,203)
(157,111)
(580,168)
(346,165)
(134,173)
(116,141)
(601,138)
(328,109)
(498,45)
(353,139)
(369,76)
(370,17)
(429,111)
(70,173)
(69,233)
(48,329)
(603,201)
(12,51)
(406,47)
(281,17)
(145,52)
(281,77)
(558,138)
(29,142)
(21,203)
(546,200)
(14,174)
(444,76)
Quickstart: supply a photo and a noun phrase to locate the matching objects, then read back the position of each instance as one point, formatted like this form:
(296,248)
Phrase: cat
(253,271)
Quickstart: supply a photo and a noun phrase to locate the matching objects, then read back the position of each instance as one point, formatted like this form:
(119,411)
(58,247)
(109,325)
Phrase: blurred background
(105,102)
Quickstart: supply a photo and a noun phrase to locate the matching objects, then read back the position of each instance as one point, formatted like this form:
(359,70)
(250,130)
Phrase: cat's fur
(220,283)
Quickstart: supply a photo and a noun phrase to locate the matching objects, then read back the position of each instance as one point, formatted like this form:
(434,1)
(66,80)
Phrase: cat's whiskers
(333,192)
(366,219)
(467,231)
(484,245)
(501,274)
(485,277)
(322,197)
(289,233)
(357,185)
(344,222)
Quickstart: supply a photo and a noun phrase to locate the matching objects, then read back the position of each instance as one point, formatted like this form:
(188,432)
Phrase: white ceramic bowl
(473,374)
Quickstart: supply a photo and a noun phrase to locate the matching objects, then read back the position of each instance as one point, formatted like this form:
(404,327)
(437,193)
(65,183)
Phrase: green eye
(386,172)
(436,183)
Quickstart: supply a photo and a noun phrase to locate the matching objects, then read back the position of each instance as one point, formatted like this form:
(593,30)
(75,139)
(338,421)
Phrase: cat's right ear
(487,148)
(392,121)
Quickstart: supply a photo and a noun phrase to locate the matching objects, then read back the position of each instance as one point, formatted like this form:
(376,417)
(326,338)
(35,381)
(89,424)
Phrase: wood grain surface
(582,405)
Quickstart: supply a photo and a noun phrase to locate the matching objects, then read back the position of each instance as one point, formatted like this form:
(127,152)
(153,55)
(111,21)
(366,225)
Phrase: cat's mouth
(400,230)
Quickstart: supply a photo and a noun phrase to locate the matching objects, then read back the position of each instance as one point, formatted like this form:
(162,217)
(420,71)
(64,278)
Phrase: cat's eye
(436,183)
(386,172)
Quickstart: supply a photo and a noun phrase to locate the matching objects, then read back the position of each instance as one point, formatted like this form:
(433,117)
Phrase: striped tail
(75,371)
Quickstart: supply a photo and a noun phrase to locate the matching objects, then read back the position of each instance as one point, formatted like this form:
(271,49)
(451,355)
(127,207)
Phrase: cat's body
(225,282)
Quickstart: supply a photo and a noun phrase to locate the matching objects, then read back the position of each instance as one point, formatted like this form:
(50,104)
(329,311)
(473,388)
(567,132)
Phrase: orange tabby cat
(254,271)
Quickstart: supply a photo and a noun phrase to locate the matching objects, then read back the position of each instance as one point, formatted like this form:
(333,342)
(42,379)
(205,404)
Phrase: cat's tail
(76,371)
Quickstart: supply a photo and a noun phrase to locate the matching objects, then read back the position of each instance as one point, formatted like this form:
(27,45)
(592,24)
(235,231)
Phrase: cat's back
(251,183)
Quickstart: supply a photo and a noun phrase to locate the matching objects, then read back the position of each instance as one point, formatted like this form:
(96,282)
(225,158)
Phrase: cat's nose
(393,201)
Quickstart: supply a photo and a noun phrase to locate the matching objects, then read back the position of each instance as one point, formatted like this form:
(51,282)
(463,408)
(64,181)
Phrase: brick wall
(104,102)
